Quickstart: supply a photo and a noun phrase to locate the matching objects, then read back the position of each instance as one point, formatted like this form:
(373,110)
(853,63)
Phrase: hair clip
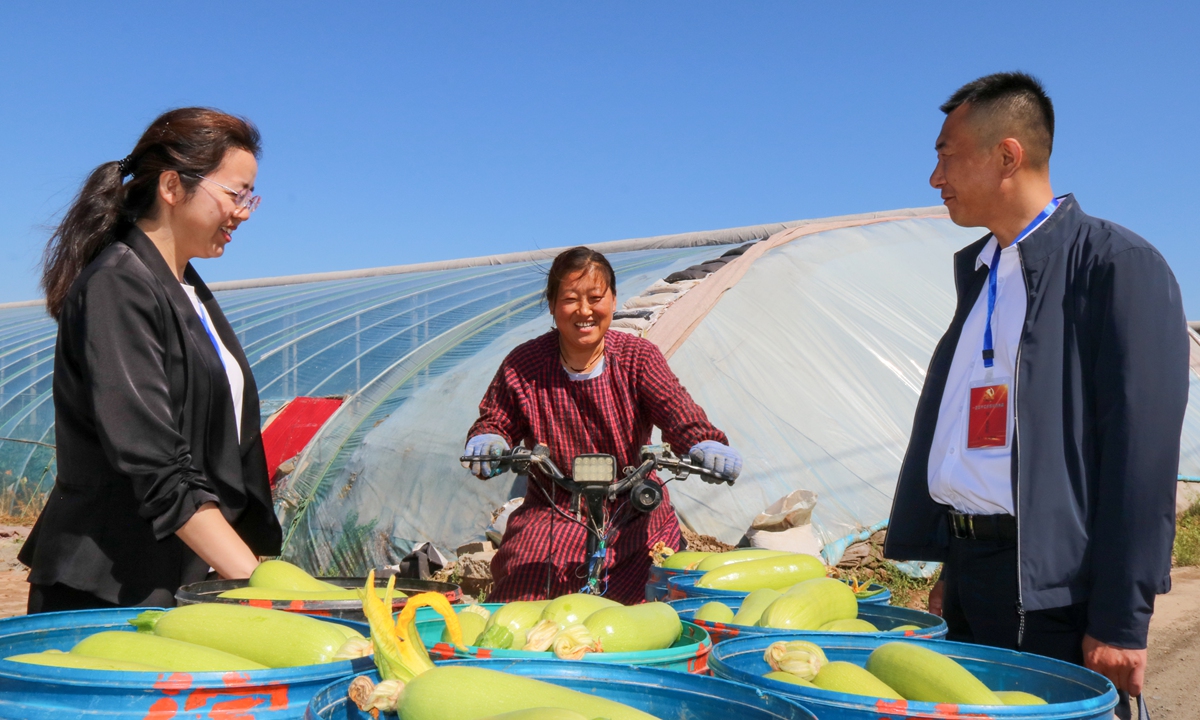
(123,165)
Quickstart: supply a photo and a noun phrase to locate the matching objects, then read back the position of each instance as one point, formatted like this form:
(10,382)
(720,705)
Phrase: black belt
(982,527)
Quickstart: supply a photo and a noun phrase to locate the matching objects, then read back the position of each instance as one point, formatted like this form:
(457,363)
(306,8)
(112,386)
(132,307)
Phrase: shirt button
(951,451)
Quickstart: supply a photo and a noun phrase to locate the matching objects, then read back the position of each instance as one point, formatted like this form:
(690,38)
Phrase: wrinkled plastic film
(813,364)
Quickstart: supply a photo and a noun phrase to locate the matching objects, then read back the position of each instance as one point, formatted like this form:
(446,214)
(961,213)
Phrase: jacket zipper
(1016,435)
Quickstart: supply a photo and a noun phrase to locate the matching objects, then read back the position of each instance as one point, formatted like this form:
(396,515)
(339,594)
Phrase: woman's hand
(721,459)
(487,444)
(211,537)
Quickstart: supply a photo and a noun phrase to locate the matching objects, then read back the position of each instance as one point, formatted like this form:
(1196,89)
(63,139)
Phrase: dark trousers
(980,604)
(59,597)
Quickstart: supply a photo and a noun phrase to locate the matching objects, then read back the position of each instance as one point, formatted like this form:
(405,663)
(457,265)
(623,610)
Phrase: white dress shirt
(979,482)
(233,371)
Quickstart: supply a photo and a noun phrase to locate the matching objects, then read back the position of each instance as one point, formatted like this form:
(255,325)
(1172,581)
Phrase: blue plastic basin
(1074,692)
(40,692)
(656,588)
(664,694)
(684,586)
(883,617)
(688,654)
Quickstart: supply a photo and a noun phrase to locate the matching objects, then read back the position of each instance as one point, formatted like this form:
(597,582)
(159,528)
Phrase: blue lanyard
(204,321)
(988,353)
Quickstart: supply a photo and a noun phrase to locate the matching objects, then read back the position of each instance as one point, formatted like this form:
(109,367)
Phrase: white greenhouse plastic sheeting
(813,364)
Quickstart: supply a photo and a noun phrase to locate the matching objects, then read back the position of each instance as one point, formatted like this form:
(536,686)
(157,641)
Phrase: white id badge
(989,414)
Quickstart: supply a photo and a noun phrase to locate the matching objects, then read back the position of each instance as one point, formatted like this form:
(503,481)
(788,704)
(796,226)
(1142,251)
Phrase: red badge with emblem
(987,416)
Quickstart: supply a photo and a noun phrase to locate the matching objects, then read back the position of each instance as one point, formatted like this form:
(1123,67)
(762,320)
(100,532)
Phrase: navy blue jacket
(1100,392)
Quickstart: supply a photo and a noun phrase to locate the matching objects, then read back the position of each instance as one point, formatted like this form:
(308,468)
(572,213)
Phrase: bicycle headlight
(594,469)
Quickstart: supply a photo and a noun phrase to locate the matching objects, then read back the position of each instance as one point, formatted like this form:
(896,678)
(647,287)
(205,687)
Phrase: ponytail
(190,141)
(90,225)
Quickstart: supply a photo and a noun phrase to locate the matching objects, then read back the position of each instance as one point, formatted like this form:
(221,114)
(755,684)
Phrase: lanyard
(204,321)
(989,353)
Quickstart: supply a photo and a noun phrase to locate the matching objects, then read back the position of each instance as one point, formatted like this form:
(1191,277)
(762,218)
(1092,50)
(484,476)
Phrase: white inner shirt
(233,371)
(593,373)
(979,482)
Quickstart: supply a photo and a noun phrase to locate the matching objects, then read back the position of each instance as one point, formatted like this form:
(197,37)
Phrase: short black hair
(572,261)
(1011,104)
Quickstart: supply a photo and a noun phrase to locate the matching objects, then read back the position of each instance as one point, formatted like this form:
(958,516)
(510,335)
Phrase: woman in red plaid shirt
(578,389)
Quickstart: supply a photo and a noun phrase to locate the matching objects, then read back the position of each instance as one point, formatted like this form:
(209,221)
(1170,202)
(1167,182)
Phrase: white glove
(721,459)
(487,444)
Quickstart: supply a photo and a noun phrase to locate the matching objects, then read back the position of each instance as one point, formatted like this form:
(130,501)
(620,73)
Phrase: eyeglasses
(241,198)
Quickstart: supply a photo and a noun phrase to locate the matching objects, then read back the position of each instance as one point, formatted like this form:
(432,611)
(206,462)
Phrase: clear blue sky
(405,132)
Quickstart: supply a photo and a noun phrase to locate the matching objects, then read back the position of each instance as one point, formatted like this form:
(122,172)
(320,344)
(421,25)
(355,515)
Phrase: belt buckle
(962,525)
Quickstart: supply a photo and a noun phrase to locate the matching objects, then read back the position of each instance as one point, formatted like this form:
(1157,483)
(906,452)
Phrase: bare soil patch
(14,591)
(1172,691)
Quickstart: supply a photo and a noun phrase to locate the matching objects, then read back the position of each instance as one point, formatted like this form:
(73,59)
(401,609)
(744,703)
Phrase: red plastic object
(293,428)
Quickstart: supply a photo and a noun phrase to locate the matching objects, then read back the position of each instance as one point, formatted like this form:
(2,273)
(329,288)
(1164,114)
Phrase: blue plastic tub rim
(1098,706)
(646,677)
(132,679)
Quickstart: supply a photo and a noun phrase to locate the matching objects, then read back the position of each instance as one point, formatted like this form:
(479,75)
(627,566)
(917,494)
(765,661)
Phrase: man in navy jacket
(1044,453)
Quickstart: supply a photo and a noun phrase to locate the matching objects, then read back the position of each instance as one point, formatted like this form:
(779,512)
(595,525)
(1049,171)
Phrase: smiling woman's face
(207,218)
(583,308)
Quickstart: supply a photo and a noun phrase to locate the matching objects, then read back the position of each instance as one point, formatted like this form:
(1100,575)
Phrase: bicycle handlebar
(519,459)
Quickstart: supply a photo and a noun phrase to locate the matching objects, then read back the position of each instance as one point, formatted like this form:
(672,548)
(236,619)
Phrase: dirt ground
(13,589)
(1172,687)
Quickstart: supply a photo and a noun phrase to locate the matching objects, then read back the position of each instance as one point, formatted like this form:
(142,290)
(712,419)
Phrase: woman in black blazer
(161,473)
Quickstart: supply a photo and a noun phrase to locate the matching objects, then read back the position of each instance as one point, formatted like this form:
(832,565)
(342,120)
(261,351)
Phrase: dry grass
(1187,538)
(19,521)
(907,591)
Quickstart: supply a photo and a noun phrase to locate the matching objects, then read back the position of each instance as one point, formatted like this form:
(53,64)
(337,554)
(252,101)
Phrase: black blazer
(145,432)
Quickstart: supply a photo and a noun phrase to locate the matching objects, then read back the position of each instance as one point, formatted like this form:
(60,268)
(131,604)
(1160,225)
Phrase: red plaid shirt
(532,401)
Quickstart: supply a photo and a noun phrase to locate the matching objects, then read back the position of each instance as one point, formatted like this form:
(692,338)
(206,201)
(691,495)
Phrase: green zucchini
(271,637)
(1016,697)
(918,673)
(771,572)
(518,617)
(538,714)
(846,677)
(56,658)
(811,604)
(261,593)
(649,626)
(573,609)
(282,575)
(787,677)
(683,559)
(150,649)
(717,612)
(753,605)
(472,625)
(497,637)
(712,562)
(849,625)
(460,692)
